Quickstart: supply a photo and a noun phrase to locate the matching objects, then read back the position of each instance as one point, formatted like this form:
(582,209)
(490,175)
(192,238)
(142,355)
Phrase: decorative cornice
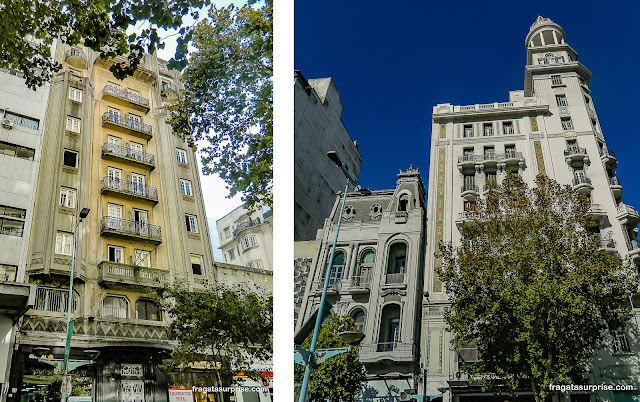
(495,138)
(70,170)
(470,115)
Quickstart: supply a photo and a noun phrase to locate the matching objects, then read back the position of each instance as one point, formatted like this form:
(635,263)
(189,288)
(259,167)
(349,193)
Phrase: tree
(340,377)
(231,326)
(530,287)
(228,99)
(28,28)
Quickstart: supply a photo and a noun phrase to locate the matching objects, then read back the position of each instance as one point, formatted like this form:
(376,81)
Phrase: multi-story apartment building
(318,129)
(376,277)
(108,148)
(246,237)
(22,111)
(550,127)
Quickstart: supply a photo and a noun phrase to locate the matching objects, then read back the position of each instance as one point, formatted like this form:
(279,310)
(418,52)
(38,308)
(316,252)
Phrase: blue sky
(392,62)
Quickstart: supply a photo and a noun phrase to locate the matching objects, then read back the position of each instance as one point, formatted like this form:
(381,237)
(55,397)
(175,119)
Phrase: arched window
(389,328)
(403,203)
(366,266)
(115,306)
(336,269)
(51,299)
(397,258)
(359,317)
(147,310)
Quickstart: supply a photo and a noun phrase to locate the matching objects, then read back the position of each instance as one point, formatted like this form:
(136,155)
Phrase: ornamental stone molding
(70,170)
(66,211)
(62,261)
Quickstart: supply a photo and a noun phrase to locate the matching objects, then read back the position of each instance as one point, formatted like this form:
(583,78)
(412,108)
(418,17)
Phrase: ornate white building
(549,127)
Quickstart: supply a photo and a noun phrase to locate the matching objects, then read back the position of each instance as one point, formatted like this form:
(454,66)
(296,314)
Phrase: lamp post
(310,357)
(66,391)
(426,354)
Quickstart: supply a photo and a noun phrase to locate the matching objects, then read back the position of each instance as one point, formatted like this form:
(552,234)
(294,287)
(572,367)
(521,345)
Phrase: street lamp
(312,356)
(66,384)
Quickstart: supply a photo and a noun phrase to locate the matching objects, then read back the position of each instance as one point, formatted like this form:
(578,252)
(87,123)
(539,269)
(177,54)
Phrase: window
(22,121)
(469,182)
(13,212)
(75,94)
(366,266)
(397,259)
(507,128)
(75,72)
(115,306)
(16,150)
(403,202)
(255,264)
(196,264)
(556,80)
(470,206)
(185,187)
(147,310)
(488,130)
(8,272)
(68,197)
(227,232)
(468,131)
(337,267)
(70,158)
(142,259)
(566,123)
(561,100)
(489,152)
(358,319)
(114,114)
(73,124)
(64,243)
(232,255)
(192,225)
(12,221)
(51,299)
(490,177)
(620,342)
(389,328)
(249,241)
(181,154)
(115,254)
(510,150)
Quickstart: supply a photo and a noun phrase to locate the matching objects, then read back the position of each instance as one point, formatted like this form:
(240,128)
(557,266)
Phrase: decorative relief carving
(530,102)
(131,369)
(537,146)
(62,261)
(348,213)
(442,158)
(37,260)
(376,211)
(534,123)
(66,211)
(70,170)
(443,130)
(443,108)
(193,236)
(73,135)
(183,165)
(443,143)
(188,198)
(563,111)
(480,140)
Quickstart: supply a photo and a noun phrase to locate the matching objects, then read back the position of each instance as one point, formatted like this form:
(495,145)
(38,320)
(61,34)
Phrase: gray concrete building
(377,278)
(23,112)
(318,129)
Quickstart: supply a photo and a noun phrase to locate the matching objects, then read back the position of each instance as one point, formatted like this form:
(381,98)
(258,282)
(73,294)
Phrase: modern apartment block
(376,277)
(107,147)
(550,127)
(246,237)
(23,112)
(318,129)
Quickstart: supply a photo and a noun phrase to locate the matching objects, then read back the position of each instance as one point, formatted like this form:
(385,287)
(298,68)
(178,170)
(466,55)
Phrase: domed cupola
(544,32)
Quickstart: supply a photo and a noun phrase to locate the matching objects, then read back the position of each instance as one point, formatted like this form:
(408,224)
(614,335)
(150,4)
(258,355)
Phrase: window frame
(66,192)
(566,123)
(183,153)
(75,94)
(556,79)
(146,303)
(191,222)
(114,296)
(200,264)
(71,151)
(561,100)
(71,122)
(185,187)
(66,240)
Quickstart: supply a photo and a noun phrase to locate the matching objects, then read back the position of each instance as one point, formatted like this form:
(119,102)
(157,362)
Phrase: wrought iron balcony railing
(129,187)
(361,281)
(578,180)
(614,181)
(129,227)
(469,187)
(394,279)
(128,153)
(127,122)
(125,95)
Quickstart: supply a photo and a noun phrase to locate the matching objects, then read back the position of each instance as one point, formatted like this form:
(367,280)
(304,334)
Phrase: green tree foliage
(28,28)
(228,99)
(530,287)
(340,377)
(231,326)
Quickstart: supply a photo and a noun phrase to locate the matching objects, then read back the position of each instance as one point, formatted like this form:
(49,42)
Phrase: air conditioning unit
(6,123)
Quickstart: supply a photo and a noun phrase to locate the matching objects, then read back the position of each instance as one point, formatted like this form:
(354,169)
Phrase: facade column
(542,38)
(555,37)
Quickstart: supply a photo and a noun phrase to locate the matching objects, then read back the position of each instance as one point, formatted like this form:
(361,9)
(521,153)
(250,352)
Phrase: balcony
(628,215)
(496,186)
(634,251)
(401,217)
(127,125)
(125,98)
(608,157)
(76,58)
(333,287)
(466,217)
(582,184)
(169,92)
(125,154)
(575,153)
(394,280)
(597,213)
(389,351)
(360,284)
(127,229)
(490,159)
(512,157)
(468,161)
(609,245)
(114,275)
(469,192)
(615,186)
(129,189)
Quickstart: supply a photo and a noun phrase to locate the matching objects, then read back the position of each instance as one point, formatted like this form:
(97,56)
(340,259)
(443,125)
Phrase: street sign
(180,395)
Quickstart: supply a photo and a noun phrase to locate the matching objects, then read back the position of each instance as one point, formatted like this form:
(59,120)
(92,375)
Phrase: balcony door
(137,184)
(135,121)
(115,178)
(114,115)
(114,217)
(114,140)
(141,222)
(136,150)
(143,259)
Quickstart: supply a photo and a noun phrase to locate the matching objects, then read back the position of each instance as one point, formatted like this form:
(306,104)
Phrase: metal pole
(426,354)
(67,347)
(316,328)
